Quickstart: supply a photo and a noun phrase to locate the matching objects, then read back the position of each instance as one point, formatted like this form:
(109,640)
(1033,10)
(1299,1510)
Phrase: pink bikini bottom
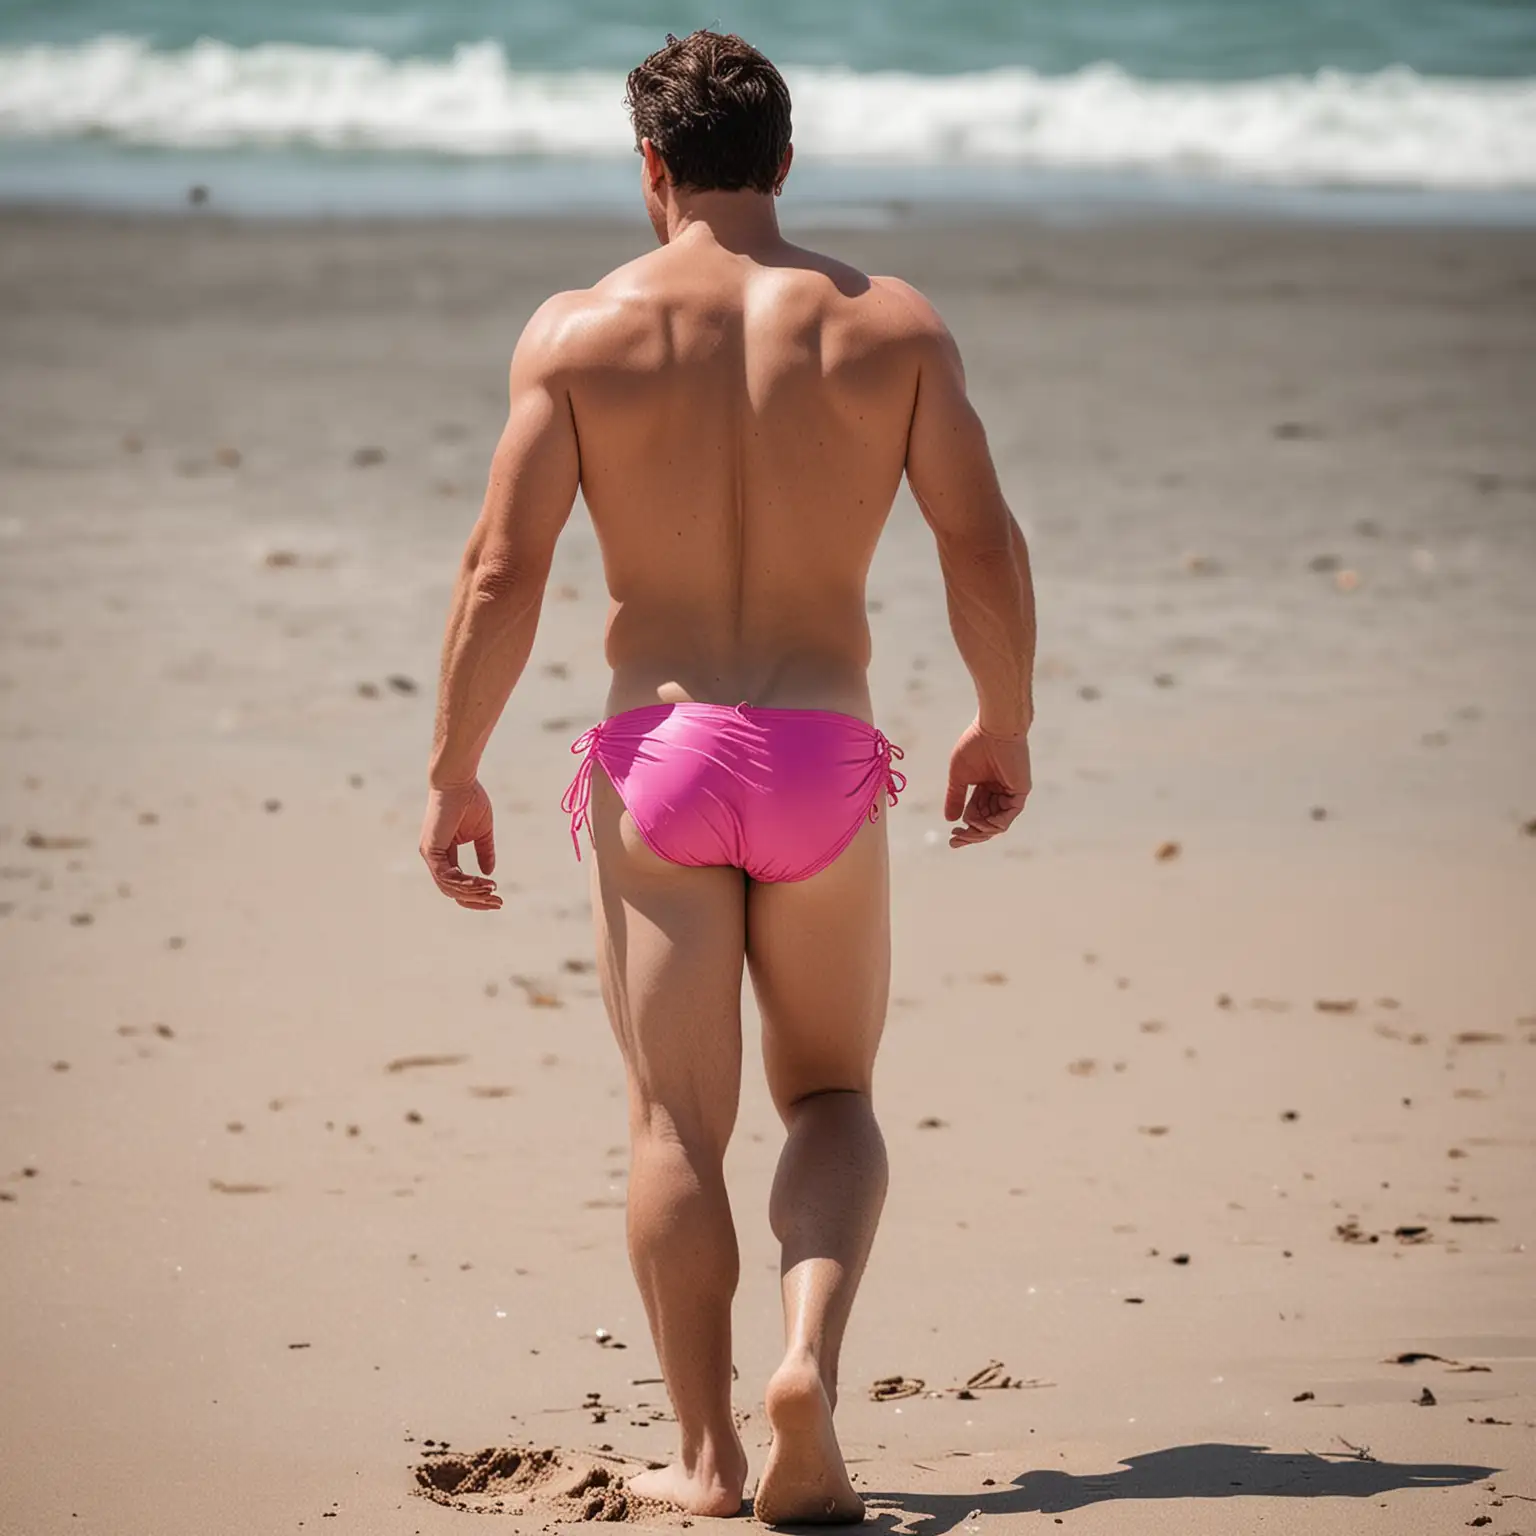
(778,793)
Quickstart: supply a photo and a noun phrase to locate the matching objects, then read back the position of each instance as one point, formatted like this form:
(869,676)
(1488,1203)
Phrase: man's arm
(987,584)
(981,547)
(534,477)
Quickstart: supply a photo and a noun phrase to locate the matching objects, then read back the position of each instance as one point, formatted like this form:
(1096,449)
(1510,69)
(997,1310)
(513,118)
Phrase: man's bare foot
(708,1490)
(805,1480)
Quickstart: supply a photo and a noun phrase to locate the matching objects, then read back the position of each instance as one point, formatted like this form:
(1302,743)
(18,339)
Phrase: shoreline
(832,222)
(291,186)
(185,225)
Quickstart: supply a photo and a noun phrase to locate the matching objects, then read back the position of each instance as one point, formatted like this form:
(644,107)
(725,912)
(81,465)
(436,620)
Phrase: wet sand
(1208,1091)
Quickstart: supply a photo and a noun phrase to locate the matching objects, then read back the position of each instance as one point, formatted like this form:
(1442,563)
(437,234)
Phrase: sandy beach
(1208,1090)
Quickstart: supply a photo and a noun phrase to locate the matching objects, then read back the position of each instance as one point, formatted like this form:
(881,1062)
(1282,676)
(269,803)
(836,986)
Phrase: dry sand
(310,1177)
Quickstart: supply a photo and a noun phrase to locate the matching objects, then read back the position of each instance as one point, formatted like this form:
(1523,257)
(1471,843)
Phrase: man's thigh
(820,957)
(670,946)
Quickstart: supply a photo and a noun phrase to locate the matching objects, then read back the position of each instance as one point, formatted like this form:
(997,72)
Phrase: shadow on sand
(1181,1472)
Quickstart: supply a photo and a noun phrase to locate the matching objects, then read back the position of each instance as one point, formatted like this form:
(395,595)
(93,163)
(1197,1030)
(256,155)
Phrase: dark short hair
(716,110)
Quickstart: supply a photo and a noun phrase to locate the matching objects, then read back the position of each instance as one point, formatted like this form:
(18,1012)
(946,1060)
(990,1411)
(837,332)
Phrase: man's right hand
(456,816)
(995,771)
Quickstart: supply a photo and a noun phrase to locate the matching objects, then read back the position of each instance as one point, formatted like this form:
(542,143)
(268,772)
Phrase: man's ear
(655,166)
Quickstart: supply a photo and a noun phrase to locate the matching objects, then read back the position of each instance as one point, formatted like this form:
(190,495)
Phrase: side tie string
(895,779)
(577,800)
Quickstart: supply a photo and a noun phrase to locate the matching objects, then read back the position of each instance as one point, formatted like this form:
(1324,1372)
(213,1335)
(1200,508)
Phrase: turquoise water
(1154,39)
(465,105)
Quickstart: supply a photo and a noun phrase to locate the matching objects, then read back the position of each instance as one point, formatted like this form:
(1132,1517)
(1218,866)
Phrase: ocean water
(1397,108)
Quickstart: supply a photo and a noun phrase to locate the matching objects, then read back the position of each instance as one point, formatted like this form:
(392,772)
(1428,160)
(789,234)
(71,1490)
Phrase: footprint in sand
(517,1480)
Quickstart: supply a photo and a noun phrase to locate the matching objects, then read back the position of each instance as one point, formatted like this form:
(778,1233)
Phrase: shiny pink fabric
(778,793)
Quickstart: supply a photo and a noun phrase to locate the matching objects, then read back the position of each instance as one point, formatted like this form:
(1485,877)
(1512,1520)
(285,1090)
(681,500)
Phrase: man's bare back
(743,420)
(738,413)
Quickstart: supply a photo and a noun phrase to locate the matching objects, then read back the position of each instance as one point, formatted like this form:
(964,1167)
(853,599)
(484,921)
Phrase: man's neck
(735,221)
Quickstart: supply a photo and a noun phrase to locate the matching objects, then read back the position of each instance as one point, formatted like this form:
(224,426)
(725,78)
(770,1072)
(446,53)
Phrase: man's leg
(670,952)
(819,952)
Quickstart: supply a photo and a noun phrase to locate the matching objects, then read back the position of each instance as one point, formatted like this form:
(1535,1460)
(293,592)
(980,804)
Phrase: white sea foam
(1390,128)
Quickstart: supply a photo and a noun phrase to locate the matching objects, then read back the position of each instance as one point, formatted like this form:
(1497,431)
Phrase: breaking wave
(1389,128)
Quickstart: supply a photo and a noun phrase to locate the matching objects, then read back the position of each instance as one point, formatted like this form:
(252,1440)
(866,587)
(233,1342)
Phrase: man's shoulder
(896,302)
(578,327)
(909,309)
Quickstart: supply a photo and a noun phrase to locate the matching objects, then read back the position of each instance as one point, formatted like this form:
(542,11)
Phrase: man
(738,413)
